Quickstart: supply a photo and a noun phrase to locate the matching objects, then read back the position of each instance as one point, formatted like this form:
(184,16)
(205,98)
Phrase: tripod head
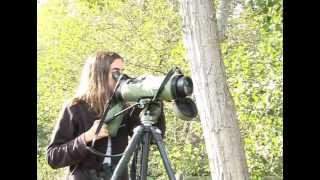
(151,111)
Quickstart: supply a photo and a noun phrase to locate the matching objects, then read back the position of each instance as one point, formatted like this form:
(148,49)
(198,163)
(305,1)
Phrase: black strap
(164,82)
(107,107)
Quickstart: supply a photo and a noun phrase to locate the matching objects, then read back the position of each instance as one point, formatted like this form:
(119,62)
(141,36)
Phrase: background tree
(217,113)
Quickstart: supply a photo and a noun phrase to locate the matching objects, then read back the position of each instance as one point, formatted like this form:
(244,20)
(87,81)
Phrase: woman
(79,120)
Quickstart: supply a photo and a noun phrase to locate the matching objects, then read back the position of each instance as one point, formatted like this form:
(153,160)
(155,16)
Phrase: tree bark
(216,108)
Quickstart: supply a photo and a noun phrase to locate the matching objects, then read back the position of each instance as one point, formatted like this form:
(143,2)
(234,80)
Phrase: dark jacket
(68,148)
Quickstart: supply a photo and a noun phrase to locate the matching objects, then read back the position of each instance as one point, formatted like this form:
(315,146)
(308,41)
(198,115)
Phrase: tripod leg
(156,133)
(134,166)
(145,155)
(127,153)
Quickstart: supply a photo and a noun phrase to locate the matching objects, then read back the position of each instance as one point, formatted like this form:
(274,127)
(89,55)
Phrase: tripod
(142,136)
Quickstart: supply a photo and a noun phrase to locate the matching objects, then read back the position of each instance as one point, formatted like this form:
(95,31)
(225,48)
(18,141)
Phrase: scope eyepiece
(116,75)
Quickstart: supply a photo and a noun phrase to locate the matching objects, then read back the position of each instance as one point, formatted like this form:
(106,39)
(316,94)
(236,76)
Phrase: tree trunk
(223,13)
(216,108)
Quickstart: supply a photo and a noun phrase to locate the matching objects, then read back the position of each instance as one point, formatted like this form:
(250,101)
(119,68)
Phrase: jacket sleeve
(134,121)
(66,148)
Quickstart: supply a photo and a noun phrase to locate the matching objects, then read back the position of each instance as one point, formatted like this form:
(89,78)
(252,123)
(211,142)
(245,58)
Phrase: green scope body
(134,89)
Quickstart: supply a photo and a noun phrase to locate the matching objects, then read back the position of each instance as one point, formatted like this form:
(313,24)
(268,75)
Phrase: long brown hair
(93,87)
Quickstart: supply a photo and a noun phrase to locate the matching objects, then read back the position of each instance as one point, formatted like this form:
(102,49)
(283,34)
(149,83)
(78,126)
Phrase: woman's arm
(66,148)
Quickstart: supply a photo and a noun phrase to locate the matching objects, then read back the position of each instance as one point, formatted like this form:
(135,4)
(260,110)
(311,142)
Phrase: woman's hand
(90,134)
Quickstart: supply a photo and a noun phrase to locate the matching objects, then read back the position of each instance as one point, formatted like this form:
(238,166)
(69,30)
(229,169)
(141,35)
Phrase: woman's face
(117,65)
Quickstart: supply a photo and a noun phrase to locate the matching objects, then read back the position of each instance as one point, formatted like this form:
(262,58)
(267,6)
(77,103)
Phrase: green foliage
(253,58)
(148,35)
(185,147)
(69,31)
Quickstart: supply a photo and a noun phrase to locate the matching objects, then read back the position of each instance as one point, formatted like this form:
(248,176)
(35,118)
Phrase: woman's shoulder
(75,108)
(74,104)
(80,106)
